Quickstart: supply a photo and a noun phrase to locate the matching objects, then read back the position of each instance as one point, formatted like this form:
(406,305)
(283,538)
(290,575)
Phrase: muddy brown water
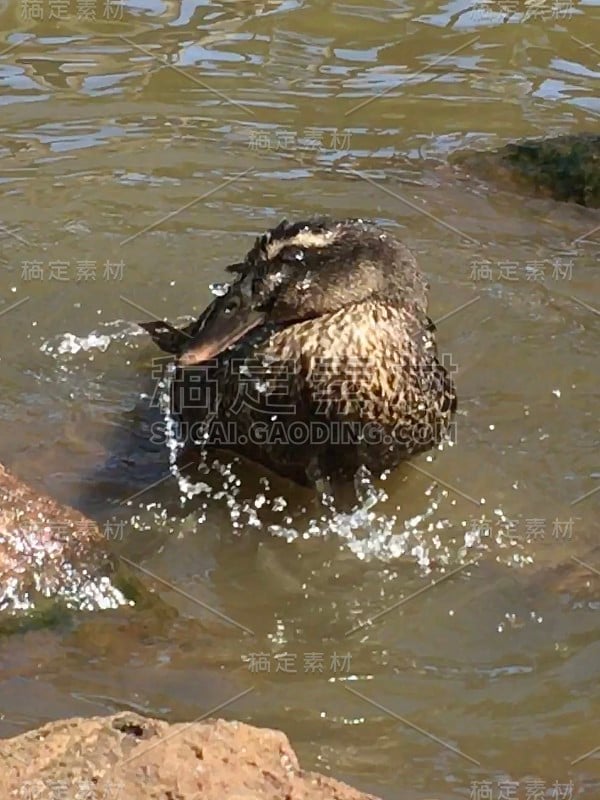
(140,152)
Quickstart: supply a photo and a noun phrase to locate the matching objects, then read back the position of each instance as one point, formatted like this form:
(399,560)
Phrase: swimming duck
(317,359)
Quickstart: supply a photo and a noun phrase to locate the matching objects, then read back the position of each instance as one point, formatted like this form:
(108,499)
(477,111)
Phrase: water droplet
(219,289)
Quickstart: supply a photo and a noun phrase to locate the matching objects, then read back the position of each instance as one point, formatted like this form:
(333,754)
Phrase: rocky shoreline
(140,758)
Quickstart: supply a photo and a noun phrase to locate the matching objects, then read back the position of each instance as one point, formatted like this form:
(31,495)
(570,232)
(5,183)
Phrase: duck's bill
(165,335)
(219,332)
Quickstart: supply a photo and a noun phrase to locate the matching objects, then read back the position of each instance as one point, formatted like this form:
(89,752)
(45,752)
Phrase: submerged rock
(51,556)
(577,577)
(565,167)
(138,758)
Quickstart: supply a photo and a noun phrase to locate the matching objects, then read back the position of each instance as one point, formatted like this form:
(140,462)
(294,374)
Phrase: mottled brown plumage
(319,357)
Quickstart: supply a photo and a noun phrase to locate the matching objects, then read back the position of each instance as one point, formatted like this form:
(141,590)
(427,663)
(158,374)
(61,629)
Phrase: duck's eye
(293,254)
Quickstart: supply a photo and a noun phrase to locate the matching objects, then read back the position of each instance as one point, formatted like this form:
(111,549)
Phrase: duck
(318,358)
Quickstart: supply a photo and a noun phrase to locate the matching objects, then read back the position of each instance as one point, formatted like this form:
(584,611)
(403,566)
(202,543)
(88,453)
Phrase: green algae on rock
(566,168)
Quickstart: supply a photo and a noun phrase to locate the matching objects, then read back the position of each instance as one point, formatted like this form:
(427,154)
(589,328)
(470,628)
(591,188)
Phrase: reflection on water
(142,150)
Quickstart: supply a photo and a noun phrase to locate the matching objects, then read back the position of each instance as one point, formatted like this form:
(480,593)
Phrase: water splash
(38,565)
(70,344)
(373,528)
(368,530)
(219,289)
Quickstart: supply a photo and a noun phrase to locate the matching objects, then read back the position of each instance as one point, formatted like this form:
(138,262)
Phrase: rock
(565,167)
(577,577)
(138,758)
(51,556)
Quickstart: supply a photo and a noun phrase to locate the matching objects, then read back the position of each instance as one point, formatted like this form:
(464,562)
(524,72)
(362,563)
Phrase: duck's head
(301,271)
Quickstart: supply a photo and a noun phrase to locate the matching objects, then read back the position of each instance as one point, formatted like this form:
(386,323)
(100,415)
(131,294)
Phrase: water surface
(140,152)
